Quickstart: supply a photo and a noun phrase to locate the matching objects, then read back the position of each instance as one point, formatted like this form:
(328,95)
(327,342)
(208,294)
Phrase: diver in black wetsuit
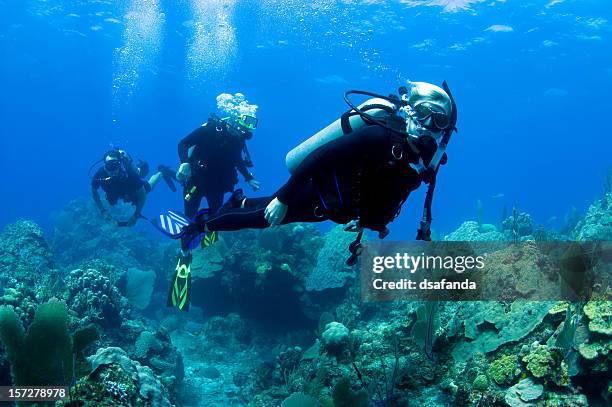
(209,158)
(364,176)
(121,178)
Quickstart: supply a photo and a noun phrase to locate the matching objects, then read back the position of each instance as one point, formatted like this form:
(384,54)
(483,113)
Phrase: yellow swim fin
(179,294)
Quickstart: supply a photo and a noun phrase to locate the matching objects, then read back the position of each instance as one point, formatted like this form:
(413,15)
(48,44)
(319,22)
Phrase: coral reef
(519,224)
(523,392)
(94,297)
(81,234)
(28,275)
(24,251)
(139,287)
(42,356)
(471,231)
(300,400)
(335,338)
(538,360)
(331,270)
(504,369)
(600,316)
(488,325)
(277,320)
(117,380)
(597,223)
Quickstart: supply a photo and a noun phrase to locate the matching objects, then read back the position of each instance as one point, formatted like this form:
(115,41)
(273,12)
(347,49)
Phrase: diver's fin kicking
(205,239)
(169,176)
(200,238)
(178,297)
(171,224)
(174,225)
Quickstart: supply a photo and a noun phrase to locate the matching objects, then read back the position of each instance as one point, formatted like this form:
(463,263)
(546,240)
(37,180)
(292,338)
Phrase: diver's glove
(275,212)
(253,183)
(184,173)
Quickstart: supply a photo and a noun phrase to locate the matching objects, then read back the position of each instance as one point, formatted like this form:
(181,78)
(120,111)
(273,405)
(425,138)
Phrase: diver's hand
(106,214)
(254,184)
(184,173)
(275,212)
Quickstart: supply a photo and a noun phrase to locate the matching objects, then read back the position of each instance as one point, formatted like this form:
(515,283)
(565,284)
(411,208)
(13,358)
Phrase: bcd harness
(221,125)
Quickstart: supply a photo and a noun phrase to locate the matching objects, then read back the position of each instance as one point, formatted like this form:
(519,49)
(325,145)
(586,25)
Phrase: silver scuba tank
(334,130)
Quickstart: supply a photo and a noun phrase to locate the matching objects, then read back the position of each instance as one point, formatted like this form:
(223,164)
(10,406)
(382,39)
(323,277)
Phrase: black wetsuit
(123,186)
(363,175)
(215,157)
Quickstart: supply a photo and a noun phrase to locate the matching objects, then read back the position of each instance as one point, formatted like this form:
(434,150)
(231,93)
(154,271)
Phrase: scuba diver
(211,157)
(121,178)
(358,171)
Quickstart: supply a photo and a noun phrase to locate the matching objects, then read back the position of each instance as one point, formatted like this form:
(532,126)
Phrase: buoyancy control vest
(221,125)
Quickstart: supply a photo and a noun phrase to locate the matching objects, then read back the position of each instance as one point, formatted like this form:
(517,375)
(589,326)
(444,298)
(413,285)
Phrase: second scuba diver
(121,178)
(211,157)
(359,170)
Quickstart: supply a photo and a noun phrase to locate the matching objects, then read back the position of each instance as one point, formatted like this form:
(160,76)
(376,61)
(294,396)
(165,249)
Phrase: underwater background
(277,317)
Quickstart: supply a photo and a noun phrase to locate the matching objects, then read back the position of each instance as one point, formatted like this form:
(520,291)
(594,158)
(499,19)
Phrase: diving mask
(247,121)
(112,165)
(430,116)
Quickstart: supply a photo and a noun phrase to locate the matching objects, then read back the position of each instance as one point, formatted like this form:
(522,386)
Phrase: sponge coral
(335,337)
(600,316)
(502,369)
(538,360)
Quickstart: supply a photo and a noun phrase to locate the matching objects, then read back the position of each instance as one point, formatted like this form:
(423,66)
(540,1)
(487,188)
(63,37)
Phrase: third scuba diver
(121,178)
(359,170)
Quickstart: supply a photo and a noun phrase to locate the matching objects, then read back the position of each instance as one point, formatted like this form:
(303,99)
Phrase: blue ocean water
(532,80)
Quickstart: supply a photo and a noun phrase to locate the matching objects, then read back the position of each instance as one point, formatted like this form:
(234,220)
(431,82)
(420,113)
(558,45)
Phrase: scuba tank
(377,107)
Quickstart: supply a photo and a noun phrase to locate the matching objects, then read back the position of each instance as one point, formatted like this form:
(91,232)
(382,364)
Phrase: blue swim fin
(171,224)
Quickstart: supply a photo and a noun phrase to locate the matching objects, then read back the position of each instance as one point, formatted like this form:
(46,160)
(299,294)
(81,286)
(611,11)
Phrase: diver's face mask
(112,166)
(247,121)
(431,116)
(426,120)
(243,126)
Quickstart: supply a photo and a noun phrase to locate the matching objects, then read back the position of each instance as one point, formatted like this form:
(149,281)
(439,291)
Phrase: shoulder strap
(378,106)
(345,122)
(345,118)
